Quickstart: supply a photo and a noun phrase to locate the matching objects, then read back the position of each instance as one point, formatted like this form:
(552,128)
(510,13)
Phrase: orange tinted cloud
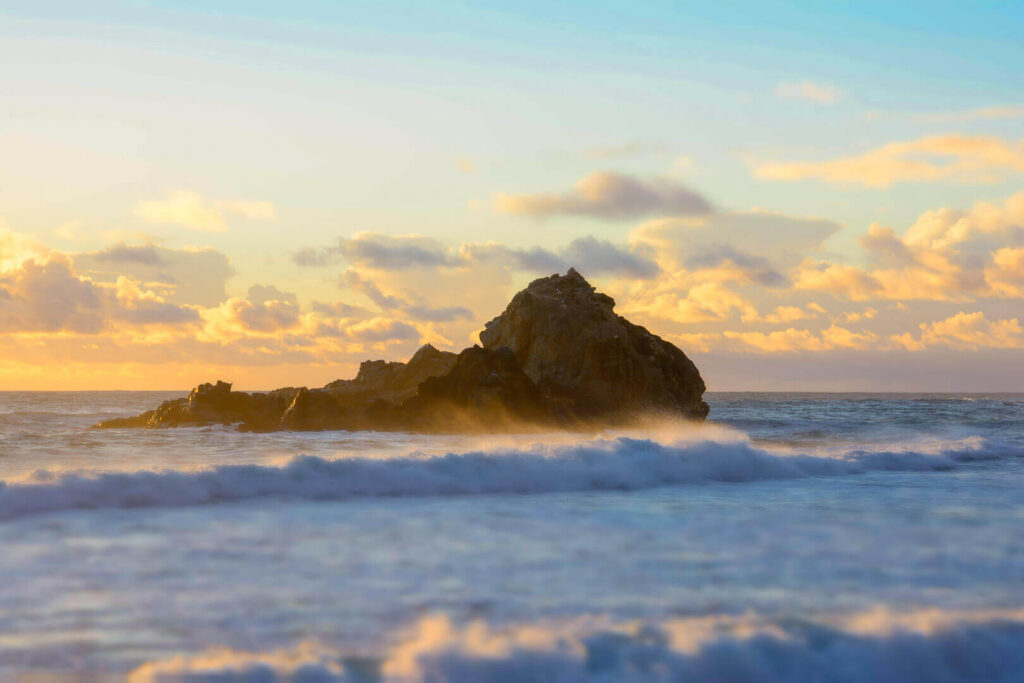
(792,339)
(959,158)
(966,331)
(611,196)
(946,255)
(192,210)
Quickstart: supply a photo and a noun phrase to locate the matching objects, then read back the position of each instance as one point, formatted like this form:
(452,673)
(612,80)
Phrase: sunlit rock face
(393,382)
(557,357)
(593,362)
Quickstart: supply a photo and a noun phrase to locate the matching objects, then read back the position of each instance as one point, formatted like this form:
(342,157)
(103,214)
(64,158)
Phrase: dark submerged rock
(558,356)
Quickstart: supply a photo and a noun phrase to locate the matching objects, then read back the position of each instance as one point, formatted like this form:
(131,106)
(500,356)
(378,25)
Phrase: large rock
(579,352)
(487,390)
(558,356)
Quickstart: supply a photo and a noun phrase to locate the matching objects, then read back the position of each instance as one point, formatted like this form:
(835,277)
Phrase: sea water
(794,537)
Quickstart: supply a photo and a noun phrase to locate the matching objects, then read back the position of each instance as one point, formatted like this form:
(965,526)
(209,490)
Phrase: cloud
(757,268)
(126,327)
(384,252)
(789,314)
(966,331)
(820,93)
(139,306)
(339,310)
(1005,274)
(780,340)
(601,257)
(238,319)
(314,257)
(957,158)
(261,294)
(858,316)
(267,316)
(193,275)
(791,339)
(530,259)
(147,255)
(753,240)
(837,279)
(70,231)
(16,247)
(393,303)
(673,299)
(945,228)
(379,251)
(383,330)
(192,210)
(946,255)
(47,296)
(594,257)
(717,283)
(612,196)
(270,323)
(466,166)
(376,251)
(266,309)
(706,278)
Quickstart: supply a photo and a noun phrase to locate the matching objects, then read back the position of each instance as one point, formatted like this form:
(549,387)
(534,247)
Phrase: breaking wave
(927,647)
(620,464)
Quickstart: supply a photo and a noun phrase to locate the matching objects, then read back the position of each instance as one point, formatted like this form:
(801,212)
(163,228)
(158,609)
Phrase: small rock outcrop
(558,356)
(391,381)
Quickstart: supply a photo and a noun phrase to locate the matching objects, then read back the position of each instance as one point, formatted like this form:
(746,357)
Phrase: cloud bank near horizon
(714,282)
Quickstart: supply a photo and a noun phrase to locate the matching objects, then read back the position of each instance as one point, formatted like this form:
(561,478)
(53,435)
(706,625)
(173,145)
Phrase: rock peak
(571,343)
(572,278)
(570,289)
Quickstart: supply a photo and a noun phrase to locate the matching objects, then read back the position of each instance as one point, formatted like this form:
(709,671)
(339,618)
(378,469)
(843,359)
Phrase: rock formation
(596,363)
(557,357)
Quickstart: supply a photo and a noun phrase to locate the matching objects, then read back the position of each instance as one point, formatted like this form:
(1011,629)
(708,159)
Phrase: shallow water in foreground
(816,537)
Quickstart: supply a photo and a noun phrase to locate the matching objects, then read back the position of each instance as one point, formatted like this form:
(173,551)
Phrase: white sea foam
(930,646)
(601,464)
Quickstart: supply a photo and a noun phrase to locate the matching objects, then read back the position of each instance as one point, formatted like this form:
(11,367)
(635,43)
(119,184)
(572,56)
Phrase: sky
(801,196)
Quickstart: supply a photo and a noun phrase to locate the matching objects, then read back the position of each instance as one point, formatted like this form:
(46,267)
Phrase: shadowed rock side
(557,357)
(591,361)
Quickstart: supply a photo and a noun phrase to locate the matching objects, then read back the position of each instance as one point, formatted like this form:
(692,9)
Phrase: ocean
(794,537)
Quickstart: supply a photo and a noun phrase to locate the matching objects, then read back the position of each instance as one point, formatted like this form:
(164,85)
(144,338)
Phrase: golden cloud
(959,158)
(965,331)
(792,339)
(946,255)
(614,196)
(192,210)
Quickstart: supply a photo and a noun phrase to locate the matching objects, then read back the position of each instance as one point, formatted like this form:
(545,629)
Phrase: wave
(620,464)
(926,648)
